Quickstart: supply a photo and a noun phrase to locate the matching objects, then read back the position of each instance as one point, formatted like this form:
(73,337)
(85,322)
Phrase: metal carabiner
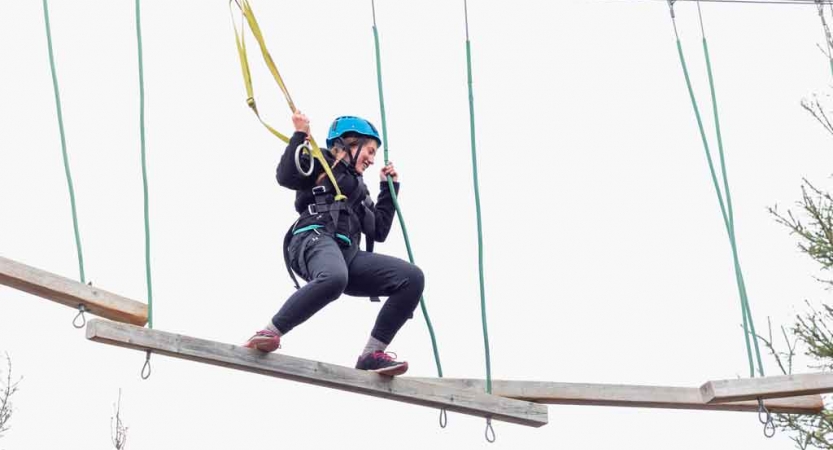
(298,151)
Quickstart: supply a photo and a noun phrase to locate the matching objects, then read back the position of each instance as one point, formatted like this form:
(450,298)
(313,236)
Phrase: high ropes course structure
(519,402)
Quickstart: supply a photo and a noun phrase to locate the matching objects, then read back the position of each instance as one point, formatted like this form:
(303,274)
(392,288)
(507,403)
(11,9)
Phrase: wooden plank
(721,391)
(318,373)
(71,293)
(626,395)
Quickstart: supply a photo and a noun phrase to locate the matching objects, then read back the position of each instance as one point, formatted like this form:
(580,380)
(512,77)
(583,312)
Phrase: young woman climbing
(322,246)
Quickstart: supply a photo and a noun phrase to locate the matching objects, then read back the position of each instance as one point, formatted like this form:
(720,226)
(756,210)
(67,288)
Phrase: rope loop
(490,432)
(765,417)
(443,418)
(146,367)
(769,428)
(763,413)
(81,310)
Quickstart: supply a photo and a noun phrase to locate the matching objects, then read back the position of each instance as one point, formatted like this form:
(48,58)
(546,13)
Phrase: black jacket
(351,185)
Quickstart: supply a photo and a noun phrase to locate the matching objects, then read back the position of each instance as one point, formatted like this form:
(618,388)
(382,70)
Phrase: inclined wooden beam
(71,293)
(626,395)
(721,391)
(318,373)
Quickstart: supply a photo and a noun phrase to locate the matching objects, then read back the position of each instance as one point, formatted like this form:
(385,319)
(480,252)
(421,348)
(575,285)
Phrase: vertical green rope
(477,206)
(393,191)
(144,164)
(64,144)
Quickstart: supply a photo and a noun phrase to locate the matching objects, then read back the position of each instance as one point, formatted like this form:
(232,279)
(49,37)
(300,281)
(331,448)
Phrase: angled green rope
(725,208)
(477,206)
(64,144)
(393,191)
(144,164)
(732,239)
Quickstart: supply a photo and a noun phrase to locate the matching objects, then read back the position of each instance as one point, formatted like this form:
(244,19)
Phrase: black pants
(331,270)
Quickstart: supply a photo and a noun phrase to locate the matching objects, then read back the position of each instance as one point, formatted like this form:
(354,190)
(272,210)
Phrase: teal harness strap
(315,227)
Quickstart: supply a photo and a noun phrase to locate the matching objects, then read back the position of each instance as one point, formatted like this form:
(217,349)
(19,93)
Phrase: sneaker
(381,363)
(265,341)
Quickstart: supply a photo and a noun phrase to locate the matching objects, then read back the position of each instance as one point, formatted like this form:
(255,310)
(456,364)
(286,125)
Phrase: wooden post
(721,391)
(626,395)
(318,373)
(71,293)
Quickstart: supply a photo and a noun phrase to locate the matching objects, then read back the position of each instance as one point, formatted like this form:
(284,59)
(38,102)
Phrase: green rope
(144,164)
(732,239)
(393,191)
(477,206)
(725,208)
(64,144)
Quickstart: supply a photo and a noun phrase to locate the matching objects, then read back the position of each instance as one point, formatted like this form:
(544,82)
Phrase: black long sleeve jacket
(351,185)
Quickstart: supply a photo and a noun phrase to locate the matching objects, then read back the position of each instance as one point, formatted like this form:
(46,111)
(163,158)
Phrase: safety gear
(347,124)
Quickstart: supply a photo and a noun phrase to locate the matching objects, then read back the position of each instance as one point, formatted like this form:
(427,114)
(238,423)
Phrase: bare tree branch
(118,432)
(816,109)
(8,387)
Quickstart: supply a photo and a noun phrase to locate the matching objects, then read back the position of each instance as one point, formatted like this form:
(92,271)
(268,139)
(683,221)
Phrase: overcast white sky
(606,257)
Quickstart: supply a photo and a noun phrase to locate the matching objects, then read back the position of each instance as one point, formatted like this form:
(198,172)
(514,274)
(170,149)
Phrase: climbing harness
(325,209)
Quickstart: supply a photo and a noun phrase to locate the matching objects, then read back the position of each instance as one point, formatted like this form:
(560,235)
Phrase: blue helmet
(348,124)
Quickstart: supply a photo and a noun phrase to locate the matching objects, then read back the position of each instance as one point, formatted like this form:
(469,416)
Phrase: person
(322,246)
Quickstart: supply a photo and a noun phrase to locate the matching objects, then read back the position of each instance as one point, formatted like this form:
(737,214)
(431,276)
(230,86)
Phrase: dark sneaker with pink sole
(381,363)
(265,341)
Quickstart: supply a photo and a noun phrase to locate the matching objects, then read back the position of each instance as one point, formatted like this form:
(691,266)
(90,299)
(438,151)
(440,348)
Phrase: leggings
(331,270)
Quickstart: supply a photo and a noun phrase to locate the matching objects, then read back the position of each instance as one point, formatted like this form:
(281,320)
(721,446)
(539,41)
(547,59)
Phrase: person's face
(367,156)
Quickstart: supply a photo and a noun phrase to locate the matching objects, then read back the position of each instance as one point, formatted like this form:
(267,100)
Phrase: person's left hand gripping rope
(389,170)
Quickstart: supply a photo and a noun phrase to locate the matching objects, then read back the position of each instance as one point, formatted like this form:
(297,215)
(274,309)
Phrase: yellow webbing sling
(313,149)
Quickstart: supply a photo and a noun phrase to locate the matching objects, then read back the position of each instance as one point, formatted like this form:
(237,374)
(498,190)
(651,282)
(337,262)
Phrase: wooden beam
(71,293)
(625,395)
(721,391)
(318,373)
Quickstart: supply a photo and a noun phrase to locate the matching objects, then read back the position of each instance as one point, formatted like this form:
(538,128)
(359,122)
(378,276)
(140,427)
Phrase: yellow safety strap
(248,14)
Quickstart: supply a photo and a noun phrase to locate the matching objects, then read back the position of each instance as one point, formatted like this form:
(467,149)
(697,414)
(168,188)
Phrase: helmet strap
(358,152)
